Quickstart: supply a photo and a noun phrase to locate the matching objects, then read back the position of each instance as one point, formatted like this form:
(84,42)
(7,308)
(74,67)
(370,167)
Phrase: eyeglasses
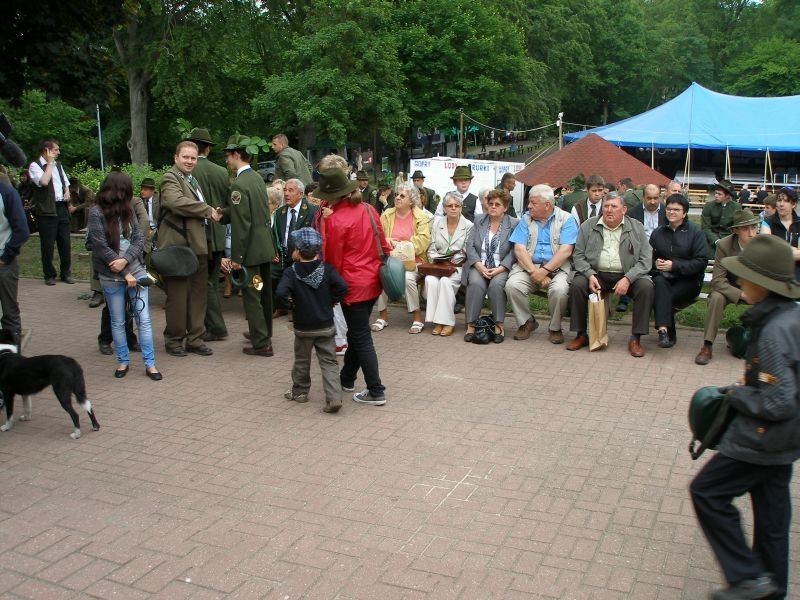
(674,209)
(452,206)
(494,204)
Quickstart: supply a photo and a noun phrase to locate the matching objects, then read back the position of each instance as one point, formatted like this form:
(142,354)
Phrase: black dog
(25,376)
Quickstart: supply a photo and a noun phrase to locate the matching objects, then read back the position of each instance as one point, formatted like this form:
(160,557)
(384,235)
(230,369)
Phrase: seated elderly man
(543,242)
(612,254)
(724,286)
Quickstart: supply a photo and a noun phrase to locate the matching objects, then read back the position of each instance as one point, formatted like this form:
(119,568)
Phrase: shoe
(663,339)
(105,348)
(348,388)
(366,397)
(622,307)
(202,350)
(331,408)
(177,351)
(555,337)
(458,308)
(341,350)
(263,351)
(134,347)
(279,312)
(635,348)
(469,336)
(301,398)
(214,337)
(437,329)
(97,300)
(579,342)
(447,331)
(498,337)
(704,356)
(120,373)
(526,329)
(68,279)
(749,589)
(154,375)
(246,335)
(50,281)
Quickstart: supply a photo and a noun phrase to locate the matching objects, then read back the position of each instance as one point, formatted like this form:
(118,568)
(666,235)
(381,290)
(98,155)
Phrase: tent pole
(653,156)
(728,170)
(766,160)
(769,160)
(686,168)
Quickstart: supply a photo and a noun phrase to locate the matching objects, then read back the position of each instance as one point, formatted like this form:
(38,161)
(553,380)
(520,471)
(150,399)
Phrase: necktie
(594,211)
(292,223)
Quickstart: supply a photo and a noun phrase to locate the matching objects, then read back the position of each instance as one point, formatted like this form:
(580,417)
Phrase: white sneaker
(366,398)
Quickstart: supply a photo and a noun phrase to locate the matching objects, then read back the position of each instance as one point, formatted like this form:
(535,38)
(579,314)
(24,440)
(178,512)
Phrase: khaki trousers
(716,306)
(321,340)
(519,286)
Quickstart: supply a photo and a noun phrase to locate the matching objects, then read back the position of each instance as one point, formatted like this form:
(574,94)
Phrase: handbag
(391,272)
(437,269)
(709,417)
(173,261)
(484,330)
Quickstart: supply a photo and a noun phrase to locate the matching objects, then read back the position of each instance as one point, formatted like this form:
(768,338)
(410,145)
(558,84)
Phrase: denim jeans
(115,295)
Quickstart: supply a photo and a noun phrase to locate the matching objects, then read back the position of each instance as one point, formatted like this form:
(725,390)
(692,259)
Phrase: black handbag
(484,330)
(173,261)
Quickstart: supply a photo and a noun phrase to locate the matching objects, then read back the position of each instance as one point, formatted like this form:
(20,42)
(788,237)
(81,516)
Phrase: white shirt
(35,172)
(650,222)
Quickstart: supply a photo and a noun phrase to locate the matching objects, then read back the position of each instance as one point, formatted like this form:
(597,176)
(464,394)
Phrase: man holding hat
(718,215)
(213,180)
(724,287)
(462,179)
(252,245)
(757,449)
(428,198)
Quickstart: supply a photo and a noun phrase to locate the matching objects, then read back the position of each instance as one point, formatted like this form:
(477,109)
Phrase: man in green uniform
(717,216)
(252,245)
(290,163)
(213,181)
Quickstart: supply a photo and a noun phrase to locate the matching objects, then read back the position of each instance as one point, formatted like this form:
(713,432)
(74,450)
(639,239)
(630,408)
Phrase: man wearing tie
(295,213)
(252,245)
(590,208)
(182,222)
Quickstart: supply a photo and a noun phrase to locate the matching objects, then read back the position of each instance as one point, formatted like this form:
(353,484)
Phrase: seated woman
(118,259)
(405,222)
(680,256)
(785,223)
(489,259)
(448,240)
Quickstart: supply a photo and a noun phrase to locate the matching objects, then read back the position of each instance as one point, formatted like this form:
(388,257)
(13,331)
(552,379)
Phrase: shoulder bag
(392,272)
(173,261)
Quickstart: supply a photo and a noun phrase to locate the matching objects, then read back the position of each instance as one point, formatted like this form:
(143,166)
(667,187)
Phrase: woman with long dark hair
(117,258)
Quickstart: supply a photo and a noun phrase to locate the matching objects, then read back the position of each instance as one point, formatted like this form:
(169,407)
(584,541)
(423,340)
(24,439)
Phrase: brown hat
(198,134)
(418,175)
(744,217)
(362,176)
(148,182)
(766,261)
(334,184)
(462,172)
(726,186)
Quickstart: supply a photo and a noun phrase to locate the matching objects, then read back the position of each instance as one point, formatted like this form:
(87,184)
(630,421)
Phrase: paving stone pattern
(517,470)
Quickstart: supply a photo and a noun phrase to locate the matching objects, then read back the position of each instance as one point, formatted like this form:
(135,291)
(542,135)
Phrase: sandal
(498,336)
(379,325)
(416,327)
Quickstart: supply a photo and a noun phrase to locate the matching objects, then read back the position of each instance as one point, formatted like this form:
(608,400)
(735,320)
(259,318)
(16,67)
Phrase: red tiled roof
(589,155)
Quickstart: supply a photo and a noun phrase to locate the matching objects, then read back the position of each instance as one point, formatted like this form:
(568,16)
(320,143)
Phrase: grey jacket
(635,253)
(766,428)
(103,254)
(291,164)
(475,243)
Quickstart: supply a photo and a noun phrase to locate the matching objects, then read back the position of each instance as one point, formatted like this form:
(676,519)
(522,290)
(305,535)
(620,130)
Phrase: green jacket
(215,184)
(716,221)
(633,198)
(635,252)
(180,205)
(251,235)
(291,164)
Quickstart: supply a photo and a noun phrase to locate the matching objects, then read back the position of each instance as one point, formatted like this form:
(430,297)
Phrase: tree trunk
(137,92)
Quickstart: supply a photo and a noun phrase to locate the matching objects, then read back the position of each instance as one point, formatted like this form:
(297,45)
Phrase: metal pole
(560,131)
(100,139)
(461,134)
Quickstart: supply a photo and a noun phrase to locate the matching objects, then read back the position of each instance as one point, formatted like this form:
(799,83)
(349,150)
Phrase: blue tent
(701,119)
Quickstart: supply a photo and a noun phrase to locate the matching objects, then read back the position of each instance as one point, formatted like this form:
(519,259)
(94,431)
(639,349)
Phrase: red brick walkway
(511,471)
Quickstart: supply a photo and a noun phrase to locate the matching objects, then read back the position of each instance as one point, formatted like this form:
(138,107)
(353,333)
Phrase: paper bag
(598,325)
(404,251)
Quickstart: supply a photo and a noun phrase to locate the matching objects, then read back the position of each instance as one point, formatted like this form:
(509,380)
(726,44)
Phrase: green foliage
(769,69)
(36,117)
(92,177)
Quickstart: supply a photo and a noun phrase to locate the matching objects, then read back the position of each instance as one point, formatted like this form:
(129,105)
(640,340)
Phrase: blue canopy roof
(704,119)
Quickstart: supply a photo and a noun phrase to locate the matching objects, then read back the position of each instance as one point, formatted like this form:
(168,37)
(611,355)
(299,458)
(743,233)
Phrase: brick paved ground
(512,471)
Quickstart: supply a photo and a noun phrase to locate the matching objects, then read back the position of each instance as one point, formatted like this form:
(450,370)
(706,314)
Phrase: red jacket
(348,245)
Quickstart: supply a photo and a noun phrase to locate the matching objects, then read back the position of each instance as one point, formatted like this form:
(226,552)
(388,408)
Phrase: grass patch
(30,259)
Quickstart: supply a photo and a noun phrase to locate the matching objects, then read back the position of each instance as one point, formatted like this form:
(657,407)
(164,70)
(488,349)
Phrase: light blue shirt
(543,251)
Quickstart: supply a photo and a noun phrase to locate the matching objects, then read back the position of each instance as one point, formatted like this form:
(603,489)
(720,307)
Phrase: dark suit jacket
(637,212)
(475,244)
(305,218)
(215,183)
(468,207)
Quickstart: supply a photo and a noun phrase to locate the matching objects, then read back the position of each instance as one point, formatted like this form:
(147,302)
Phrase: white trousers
(341,325)
(440,293)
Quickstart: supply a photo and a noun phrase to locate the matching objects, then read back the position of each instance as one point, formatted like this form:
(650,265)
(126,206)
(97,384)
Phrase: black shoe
(68,279)
(97,300)
(120,373)
(50,281)
(105,348)
(214,337)
(246,335)
(202,350)
(134,347)
(177,351)
(749,589)
(664,341)
(155,376)
(622,307)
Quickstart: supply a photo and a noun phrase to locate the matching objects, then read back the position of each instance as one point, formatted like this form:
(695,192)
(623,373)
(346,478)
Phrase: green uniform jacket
(179,204)
(633,198)
(291,164)
(573,198)
(251,234)
(215,184)
(716,221)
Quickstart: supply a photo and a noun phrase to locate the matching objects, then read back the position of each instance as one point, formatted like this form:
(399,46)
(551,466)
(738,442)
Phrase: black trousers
(54,231)
(640,290)
(671,293)
(720,481)
(360,352)
(105,326)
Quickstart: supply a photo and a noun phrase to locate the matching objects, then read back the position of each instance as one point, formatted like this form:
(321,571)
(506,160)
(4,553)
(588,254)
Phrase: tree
(769,69)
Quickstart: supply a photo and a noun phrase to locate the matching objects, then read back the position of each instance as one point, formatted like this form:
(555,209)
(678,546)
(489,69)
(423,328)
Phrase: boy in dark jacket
(311,288)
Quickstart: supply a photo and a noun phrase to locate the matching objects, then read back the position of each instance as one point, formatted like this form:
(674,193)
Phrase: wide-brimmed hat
(790,192)
(148,182)
(198,134)
(744,217)
(362,176)
(726,186)
(418,175)
(462,172)
(237,142)
(766,261)
(334,184)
